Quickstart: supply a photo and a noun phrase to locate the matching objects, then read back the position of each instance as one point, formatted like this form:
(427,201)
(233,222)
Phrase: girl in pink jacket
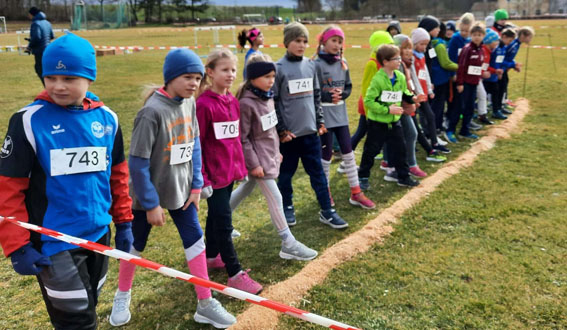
(218,114)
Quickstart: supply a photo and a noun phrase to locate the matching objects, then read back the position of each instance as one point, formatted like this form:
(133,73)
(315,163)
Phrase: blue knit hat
(451,25)
(490,37)
(181,61)
(69,55)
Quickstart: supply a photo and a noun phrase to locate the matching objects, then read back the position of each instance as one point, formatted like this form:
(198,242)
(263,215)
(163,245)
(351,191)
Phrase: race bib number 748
(77,160)
(391,97)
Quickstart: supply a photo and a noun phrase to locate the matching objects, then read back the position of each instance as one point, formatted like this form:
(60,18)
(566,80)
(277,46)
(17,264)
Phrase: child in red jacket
(469,75)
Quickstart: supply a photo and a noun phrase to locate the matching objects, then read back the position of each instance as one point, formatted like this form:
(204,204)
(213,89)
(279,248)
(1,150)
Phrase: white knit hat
(419,34)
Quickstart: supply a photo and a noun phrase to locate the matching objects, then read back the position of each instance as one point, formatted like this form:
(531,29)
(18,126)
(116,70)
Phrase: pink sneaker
(361,200)
(384,166)
(417,172)
(215,263)
(243,282)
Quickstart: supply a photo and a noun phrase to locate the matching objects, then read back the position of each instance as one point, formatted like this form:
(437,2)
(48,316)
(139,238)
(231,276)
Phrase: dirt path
(293,289)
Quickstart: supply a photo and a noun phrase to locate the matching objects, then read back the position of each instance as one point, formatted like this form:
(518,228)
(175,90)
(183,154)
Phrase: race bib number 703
(77,160)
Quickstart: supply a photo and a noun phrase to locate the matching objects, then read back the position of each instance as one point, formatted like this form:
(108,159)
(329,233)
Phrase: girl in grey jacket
(260,144)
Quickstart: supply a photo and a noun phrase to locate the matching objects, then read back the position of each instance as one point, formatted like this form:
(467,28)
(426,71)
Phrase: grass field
(487,250)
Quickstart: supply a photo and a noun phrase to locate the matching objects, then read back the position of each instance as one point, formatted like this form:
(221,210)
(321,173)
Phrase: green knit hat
(293,31)
(500,14)
(380,38)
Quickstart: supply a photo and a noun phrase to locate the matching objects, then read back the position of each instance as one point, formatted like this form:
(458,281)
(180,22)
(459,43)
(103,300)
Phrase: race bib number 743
(77,160)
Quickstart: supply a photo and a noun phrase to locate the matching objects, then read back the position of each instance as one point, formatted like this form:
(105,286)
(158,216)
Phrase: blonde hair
(148,91)
(320,44)
(526,31)
(212,60)
(254,58)
(467,19)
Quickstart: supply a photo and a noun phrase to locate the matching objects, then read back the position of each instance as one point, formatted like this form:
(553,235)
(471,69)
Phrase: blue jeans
(308,149)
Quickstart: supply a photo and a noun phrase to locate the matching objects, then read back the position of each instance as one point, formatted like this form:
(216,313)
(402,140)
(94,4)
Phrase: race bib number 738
(181,153)
(77,160)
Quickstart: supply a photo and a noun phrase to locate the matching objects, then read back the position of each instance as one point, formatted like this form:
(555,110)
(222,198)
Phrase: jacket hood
(396,25)
(39,16)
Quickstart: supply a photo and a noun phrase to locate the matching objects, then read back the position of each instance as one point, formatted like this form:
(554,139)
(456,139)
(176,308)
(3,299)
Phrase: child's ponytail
(242,38)
(148,91)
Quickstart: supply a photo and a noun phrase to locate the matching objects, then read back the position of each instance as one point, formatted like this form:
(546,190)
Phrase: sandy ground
(293,289)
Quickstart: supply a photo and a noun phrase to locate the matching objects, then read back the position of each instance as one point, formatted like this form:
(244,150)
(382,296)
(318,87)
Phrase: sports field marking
(294,288)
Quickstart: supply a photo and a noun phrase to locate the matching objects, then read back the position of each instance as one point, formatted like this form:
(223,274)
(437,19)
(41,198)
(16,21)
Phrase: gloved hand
(123,239)
(28,261)
(206,192)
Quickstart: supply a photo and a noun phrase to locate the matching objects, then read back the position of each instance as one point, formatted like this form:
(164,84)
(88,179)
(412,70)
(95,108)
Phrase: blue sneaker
(499,115)
(450,136)
(469,136)
(331,218)
(364,184)
(289,213)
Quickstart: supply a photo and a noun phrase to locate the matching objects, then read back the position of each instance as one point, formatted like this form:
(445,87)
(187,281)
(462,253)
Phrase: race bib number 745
(77,160)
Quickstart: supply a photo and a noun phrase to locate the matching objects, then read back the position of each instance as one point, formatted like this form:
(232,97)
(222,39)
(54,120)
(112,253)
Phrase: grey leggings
(273,196)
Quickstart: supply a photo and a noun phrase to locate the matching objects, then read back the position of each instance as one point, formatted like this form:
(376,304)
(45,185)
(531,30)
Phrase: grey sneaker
(210,311)
(297,252)
(391,176)
(235,233)
(120,314)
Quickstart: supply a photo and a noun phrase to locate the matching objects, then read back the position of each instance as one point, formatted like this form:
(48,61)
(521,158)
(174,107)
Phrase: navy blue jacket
(41,33)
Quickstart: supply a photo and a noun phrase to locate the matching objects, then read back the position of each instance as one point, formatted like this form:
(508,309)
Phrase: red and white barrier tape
(235,293)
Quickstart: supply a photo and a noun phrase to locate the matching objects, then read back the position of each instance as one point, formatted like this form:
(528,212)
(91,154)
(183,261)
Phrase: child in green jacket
(383,111)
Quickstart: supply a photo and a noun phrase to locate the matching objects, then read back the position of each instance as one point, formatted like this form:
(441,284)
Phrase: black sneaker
(289,213)
(499,115)
(391,176)
(331,218)
(506,111)
(442,149)
(408,182)
(483,119)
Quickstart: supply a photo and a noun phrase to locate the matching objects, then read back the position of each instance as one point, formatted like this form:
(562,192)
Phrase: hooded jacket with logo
(63,169)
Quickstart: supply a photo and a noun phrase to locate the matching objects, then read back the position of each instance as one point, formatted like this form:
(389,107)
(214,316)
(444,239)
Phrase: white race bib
(432,53)
(270,120)
(499,58)
(226,129)
(391,97)
(474,70)
(300,85)
(484,66)
(77,160)
(459,51)
(181,153)
(422,75)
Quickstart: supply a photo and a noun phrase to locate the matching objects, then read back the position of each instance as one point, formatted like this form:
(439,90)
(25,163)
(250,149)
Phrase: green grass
(468,256)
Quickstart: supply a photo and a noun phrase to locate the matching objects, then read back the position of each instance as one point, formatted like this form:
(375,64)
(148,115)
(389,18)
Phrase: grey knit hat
(293,31)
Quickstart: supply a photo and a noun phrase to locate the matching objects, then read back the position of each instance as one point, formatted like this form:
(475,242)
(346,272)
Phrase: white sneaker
(441,141)
(342,168)
(298,252)
(210,311)
(120,314)
(235,233)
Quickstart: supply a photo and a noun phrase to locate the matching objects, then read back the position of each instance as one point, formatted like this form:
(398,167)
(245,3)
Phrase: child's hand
(257,172)
(322,129)
(432,96)
(156,216)
(460,88)
(486,75)
(281,158)
(396,110)
(421,98)
(518,67)
(409,109)
(193,198)
(337,95)
(499,72)
(286,136)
